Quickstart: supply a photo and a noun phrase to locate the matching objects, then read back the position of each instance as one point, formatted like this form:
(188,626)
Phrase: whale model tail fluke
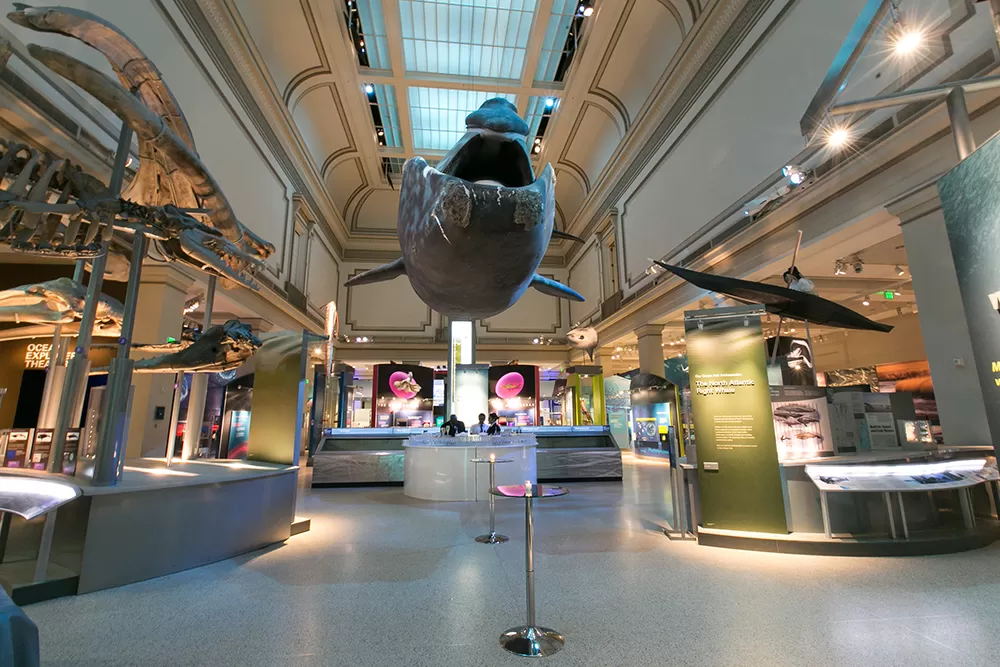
(379,274)
(553,288)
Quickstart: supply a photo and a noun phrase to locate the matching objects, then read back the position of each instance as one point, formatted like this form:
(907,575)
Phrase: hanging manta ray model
(473,231)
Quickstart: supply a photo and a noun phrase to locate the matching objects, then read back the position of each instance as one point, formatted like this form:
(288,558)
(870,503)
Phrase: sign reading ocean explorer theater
(738,473)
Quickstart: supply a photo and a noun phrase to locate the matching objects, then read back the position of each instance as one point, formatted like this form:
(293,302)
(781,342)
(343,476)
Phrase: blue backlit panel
(476,38)
(438,114)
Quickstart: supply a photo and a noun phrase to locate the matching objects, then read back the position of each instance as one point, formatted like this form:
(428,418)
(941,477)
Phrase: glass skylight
(438,114)
(562,36)
(476,38)
(539,108)
(366,23)
(385,114)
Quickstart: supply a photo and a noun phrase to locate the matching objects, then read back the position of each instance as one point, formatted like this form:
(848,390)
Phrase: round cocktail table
(530,640)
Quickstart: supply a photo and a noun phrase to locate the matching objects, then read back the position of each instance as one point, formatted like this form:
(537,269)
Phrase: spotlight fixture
(838,137)
(538,140)
(866,302)
(586,10)
(535,341)
(897,294)
(381,133)
(361,43)
(899,270)
(793,174)
(369,88)
(838,268)
(857,264)
(538,148)
(551,101)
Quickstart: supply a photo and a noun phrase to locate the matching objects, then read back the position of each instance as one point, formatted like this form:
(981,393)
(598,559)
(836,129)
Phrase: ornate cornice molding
(212,22)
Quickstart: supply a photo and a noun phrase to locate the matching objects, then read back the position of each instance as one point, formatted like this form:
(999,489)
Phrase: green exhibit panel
(738,474)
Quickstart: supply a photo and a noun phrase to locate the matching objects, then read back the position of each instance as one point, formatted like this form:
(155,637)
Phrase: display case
(374,456)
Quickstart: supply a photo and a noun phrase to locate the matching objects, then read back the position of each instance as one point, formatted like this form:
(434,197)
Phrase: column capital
(916,204)
(166,274)
(649,330)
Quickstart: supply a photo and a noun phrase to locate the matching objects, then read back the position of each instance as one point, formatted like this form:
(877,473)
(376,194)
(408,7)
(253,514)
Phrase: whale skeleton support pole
(71,401)
(110,453)
(199,386)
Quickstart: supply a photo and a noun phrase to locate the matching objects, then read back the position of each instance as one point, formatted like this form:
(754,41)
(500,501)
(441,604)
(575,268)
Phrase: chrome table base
(492,538)
(532,641)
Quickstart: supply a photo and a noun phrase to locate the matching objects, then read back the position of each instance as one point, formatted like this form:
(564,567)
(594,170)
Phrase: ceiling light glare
(838,137)
(538,148)
(369,88)
(551,102)
(535,341)
(908,41)
(899,270)
(866,302)
(896,294)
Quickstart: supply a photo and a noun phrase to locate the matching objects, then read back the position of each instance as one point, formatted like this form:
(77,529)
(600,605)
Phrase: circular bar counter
(441,468)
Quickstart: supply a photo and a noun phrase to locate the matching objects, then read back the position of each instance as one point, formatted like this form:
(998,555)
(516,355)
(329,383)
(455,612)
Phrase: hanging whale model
(474,230)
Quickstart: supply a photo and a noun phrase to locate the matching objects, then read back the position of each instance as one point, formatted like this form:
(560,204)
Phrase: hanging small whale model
(474,230)
(583,338)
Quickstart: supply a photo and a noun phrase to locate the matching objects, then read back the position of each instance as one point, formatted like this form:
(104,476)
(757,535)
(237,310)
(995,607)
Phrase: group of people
(454,426)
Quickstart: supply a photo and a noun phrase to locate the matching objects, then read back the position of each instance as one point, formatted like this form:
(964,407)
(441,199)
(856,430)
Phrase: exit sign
(889,295)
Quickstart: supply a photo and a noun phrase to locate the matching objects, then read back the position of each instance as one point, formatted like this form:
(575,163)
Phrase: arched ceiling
(425,63)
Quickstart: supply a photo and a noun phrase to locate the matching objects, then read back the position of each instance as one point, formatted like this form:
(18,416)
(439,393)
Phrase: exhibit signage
(738,473)
(514,394)
(970,200)
(801,422)
(404,395)
(18,440)
(41,447)
(71,453)
(239,434)
(37,355)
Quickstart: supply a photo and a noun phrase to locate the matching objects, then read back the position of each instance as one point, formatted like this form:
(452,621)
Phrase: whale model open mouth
(474,229)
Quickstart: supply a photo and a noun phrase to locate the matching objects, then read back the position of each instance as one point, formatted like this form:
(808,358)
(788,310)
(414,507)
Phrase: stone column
(650,348)
(159,315)
(942,318)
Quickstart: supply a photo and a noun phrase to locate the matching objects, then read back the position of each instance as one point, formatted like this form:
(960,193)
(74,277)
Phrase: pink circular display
(402,385)
(510,385)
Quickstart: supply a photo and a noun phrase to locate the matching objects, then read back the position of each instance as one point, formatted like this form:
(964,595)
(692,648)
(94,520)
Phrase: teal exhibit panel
(739,478)
(970,200)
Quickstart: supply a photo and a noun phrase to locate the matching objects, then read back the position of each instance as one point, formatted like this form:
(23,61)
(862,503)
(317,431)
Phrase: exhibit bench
(881,503)
(375,456)
(158,520)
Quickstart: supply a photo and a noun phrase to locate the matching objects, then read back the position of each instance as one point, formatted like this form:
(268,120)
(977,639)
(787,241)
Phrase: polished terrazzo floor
(383,580)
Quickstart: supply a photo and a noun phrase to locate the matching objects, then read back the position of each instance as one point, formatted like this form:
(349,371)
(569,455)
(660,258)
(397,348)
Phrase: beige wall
(851,349)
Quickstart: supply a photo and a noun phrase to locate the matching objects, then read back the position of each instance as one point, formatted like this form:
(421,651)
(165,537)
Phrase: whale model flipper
(553,288)
(379,274)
